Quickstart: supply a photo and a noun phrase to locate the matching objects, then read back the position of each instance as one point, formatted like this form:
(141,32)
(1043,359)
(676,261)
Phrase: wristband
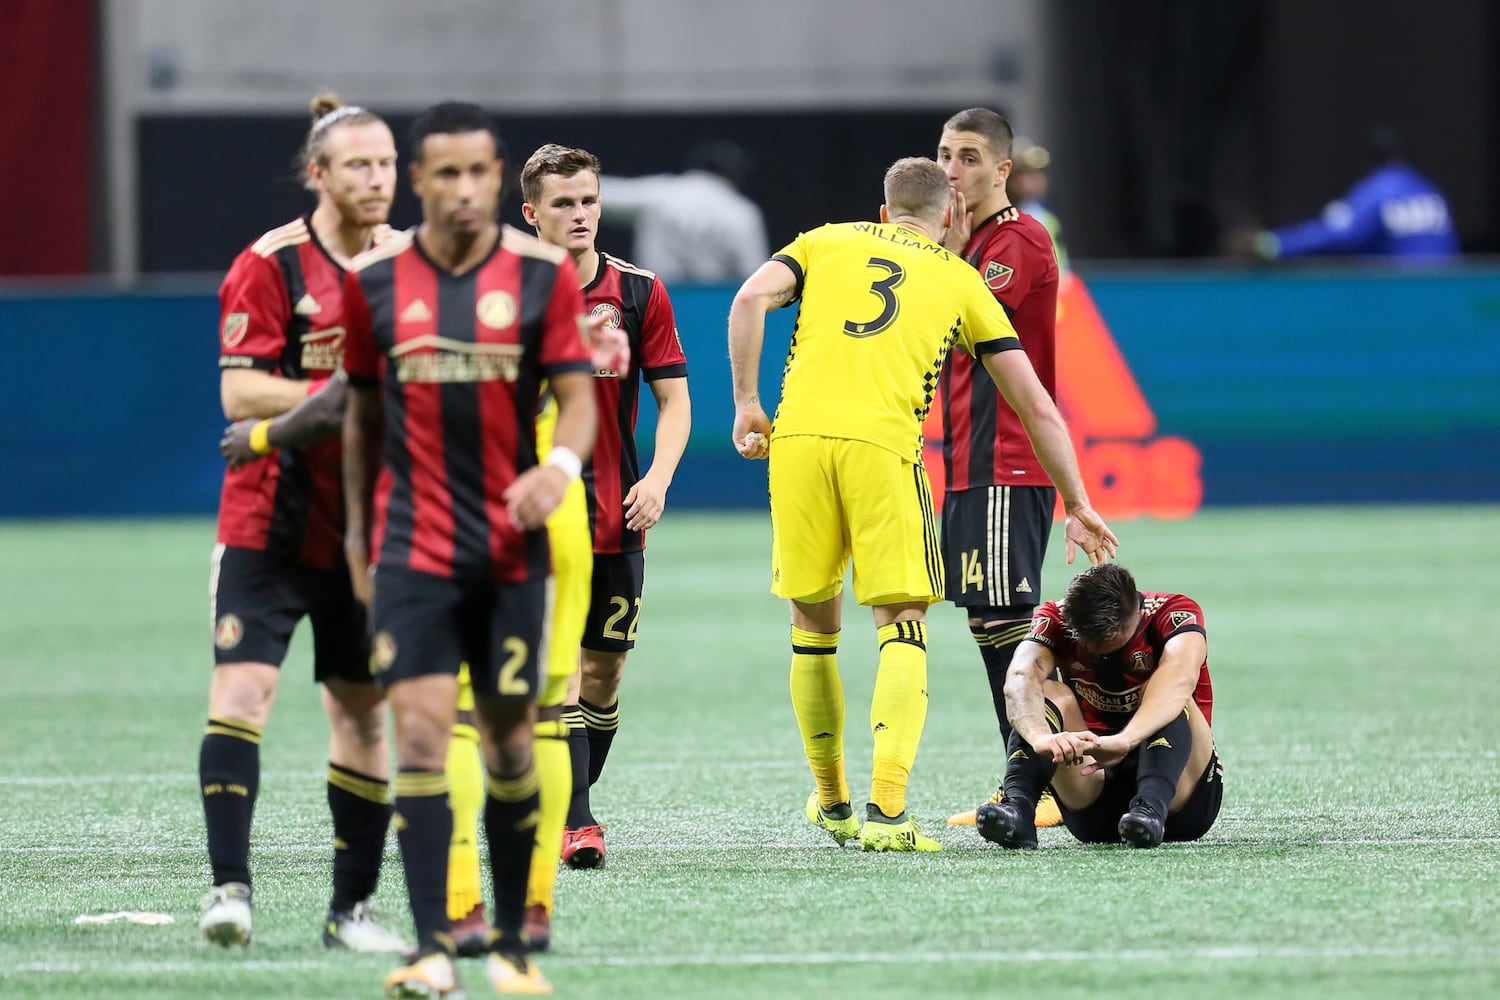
(567,460)
(260,438)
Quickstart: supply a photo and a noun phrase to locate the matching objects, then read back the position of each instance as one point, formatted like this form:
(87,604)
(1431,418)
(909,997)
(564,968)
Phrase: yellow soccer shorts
(833,500)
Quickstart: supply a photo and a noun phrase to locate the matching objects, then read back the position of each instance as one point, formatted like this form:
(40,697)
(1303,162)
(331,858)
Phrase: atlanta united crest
(610,313)
(997,275)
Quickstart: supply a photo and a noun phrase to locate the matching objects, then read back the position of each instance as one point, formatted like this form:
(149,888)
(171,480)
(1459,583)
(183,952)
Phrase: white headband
(335,115)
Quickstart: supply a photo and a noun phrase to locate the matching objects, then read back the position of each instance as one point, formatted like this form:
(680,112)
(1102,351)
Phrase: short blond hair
(917,188)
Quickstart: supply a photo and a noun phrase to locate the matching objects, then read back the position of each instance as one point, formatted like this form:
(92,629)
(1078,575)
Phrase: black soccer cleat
(1004,824)
(1141,827)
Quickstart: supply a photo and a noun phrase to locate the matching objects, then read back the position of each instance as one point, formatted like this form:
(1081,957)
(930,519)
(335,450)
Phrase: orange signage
(1127,470)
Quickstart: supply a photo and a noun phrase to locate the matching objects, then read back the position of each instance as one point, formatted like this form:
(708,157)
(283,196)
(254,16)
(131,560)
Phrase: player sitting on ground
(1124,738)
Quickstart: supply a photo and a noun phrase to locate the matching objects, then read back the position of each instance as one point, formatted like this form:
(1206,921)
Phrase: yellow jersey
(882,305)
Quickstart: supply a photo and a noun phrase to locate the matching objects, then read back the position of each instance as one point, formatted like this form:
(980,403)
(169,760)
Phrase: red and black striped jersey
(984,443)
(460,359)
(282,311)
(1109,688)
(635,301)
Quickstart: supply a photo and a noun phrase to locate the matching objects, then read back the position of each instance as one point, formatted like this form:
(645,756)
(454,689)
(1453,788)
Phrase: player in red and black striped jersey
(1124,737)
(452,329)
(561,191)
(997,509)
(280,537)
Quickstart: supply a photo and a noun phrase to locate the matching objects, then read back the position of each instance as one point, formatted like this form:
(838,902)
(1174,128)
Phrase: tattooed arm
(771,287)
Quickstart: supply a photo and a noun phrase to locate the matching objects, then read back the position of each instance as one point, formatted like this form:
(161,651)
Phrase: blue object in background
(1393,212)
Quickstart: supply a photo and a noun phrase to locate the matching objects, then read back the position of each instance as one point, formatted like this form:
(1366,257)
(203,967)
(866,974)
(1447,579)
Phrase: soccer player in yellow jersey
(881,305)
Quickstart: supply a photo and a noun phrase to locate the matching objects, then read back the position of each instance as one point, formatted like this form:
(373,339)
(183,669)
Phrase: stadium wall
(1318,387)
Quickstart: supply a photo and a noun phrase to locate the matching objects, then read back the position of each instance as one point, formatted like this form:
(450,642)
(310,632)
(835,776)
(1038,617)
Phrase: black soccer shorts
(994,542)
(257,599)
(1099,823)
(428,624)
(615,605)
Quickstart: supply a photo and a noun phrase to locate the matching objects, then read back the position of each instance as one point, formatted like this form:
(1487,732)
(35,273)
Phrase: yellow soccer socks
(818,700)
(898,711)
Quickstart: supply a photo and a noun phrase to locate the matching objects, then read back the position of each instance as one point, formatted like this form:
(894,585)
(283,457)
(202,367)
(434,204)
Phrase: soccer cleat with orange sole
(583,847)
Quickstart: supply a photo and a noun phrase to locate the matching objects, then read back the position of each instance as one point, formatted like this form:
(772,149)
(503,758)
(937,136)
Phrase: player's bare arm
(250,394)
(772,286)
(316,418)
(648,497)
(1027,710)
(1166,694)
(538,491)
(362,420)
(1048,432)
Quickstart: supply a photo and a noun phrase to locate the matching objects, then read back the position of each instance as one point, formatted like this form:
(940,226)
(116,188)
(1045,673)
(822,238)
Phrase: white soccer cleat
(358,930)
(226,915)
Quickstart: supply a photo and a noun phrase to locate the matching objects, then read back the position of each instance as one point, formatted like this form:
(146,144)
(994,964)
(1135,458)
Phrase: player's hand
(609,345)
(1106,751)
(1066,749)
(1085,529)
(752,431)
(959,230)
(235,444)
(363,584)
(644,504)
(534,495)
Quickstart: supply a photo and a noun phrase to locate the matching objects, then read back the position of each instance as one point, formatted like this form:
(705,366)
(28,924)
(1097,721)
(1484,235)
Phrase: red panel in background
(1127,471)
(47,58)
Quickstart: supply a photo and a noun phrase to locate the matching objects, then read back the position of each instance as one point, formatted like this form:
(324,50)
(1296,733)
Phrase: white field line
(1027,957)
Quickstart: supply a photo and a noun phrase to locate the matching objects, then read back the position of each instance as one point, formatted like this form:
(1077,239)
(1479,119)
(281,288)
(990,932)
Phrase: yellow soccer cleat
(967,818)
(515,975)
(841,830)
(1047,812)
(432,975)
(881,833)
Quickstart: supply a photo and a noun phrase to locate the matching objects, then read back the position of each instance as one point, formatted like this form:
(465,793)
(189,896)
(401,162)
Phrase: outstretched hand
(1085,529)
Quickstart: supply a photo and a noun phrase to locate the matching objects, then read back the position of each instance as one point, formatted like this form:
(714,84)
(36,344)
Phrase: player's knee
(508,726)
(602,672)
(243,691)
(1060,695)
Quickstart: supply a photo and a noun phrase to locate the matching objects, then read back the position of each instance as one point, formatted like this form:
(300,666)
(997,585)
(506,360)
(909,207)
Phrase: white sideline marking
(1029,957)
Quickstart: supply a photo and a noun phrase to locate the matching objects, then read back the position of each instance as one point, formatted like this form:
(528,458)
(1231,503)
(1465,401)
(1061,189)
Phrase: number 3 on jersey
(885,288)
